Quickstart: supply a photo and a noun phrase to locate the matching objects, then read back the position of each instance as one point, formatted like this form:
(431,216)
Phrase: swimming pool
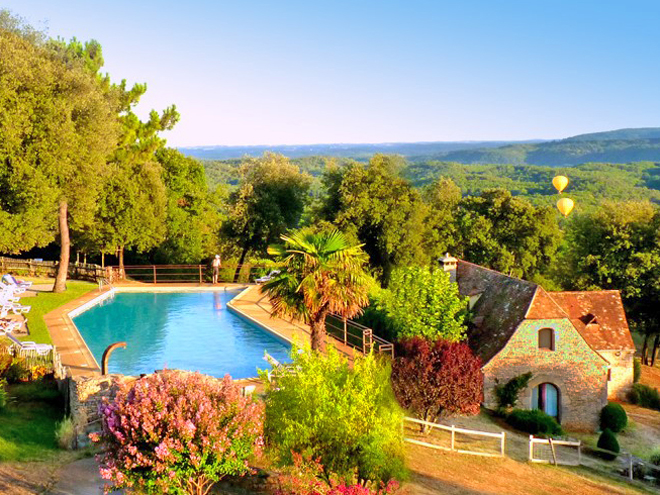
(177,330)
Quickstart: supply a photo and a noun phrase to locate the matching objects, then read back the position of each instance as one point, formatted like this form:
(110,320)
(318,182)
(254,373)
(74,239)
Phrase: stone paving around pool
(249,304)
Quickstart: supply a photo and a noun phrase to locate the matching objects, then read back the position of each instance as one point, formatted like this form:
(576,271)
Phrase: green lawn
(45,302)
(27,431)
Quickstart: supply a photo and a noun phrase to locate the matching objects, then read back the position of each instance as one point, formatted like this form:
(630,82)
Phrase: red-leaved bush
(307,477)
(438,378)
(177,433)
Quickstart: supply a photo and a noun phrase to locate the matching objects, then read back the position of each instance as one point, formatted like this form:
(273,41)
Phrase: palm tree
(320,274)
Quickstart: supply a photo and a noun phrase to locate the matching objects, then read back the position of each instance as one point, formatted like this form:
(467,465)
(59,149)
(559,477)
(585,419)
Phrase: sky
(334,71)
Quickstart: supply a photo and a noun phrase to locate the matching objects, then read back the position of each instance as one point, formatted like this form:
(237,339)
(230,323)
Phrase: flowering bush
(178,433)
(305,478)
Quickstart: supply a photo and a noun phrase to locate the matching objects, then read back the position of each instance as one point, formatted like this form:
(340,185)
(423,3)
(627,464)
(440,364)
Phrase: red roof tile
(599,316)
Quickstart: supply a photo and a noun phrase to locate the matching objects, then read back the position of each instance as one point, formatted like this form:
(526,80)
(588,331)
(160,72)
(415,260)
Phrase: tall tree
(269,200)
(321,274)
(379,208)
(57,124)
(618,247)
(193,220)
(442,198)
(506,233)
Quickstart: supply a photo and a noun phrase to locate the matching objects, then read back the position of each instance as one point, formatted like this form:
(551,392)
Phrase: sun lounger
(267,278)
(41,349)
(17,309)
(9,279)
(6,288)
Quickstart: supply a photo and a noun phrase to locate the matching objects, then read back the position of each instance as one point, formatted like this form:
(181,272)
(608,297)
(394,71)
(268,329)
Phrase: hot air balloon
(560,182)
(565,206)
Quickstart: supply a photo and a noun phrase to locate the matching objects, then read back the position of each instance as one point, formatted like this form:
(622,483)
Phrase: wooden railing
(169,274)
(357,336)
(31,358)
(553,457)
(79,271)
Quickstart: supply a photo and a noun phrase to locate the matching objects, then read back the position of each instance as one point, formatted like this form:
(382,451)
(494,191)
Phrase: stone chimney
(449,264)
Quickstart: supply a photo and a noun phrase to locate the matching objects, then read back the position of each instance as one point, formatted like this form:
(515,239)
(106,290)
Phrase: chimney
(449,265)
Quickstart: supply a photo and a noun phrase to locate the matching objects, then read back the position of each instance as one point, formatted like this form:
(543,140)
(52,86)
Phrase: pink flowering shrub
(308,477)
(178,433)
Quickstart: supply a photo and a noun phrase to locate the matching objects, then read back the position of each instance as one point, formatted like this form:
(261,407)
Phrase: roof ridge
(498,272)
(582,291)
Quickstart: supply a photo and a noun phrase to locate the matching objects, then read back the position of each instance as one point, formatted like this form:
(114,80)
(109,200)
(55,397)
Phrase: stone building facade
(577,345)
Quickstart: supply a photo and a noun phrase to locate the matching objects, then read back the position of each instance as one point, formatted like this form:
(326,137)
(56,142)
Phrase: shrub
(507,394)
(4,397)
(637,370)
(345,418)
(437,378)
(65,434)
(608,441)
(654,458)
(534,421)
(17,371)
(177,432)
(423,302)
(644,396)
(614,417)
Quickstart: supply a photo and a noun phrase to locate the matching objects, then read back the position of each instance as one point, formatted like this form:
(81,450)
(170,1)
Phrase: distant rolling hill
(619,146)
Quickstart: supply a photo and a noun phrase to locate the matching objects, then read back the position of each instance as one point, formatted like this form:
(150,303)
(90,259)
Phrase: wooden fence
(461,440)
(551,451)
(36,268)
(198,274)
(30,359)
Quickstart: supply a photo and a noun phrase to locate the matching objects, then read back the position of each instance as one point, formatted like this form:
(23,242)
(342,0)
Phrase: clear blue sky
(294,72)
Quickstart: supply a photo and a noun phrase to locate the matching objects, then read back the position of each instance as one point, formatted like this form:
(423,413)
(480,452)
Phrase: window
(547,339)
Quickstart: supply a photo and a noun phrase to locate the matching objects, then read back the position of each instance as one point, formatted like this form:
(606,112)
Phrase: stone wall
(85,395)
(621,373)
(573,367)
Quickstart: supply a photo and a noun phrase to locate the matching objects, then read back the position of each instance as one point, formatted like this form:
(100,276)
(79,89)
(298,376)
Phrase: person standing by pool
(217,264)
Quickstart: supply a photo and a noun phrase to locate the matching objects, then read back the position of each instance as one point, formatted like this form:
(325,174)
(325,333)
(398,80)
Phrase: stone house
(576,344)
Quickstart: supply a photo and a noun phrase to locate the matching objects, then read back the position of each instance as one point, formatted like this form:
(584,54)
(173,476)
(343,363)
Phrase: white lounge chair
(9,279)
(17,309)
(267,278)
(11,289)
(41,349)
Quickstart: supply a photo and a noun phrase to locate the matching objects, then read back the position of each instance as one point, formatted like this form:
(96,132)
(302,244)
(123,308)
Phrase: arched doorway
(546,398)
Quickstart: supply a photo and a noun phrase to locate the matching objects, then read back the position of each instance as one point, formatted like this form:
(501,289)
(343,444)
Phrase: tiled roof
(503,304)
(599,316)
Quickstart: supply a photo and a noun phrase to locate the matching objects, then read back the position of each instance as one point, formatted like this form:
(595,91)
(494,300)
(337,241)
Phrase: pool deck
(249,304)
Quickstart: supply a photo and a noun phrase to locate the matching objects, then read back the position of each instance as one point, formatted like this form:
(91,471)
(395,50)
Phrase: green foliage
(380,209)
(535,422)
(613,417)
(507,394)
(320,274)
(345,417)
(423,302)
(4,396)
(269,200)
(654,458)
(637,370)
(65,434)
(608,441)
(645,396)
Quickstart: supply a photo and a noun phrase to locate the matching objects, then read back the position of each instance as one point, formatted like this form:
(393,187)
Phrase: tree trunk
(65,247)
(120,252)
(656,343)
(237,273)
(317,337)
(645,349)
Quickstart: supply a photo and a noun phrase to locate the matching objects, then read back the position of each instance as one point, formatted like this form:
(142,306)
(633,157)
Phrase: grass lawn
(45,302)
(28,423)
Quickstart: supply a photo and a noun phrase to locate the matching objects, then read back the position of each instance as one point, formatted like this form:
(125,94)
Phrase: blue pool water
(187,330)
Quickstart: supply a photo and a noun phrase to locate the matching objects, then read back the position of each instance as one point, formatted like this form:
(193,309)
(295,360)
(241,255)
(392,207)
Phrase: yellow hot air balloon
(565,206)
(560,182)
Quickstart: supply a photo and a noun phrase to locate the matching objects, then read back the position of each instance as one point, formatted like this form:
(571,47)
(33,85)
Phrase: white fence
(456,437)
(551,451)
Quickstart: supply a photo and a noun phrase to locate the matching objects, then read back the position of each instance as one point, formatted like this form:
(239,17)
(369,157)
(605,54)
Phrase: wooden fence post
(502,443)
(345,330)
(453,436)
(630,466)
(552,450)
(200,274)
(154,267)
(531,447)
